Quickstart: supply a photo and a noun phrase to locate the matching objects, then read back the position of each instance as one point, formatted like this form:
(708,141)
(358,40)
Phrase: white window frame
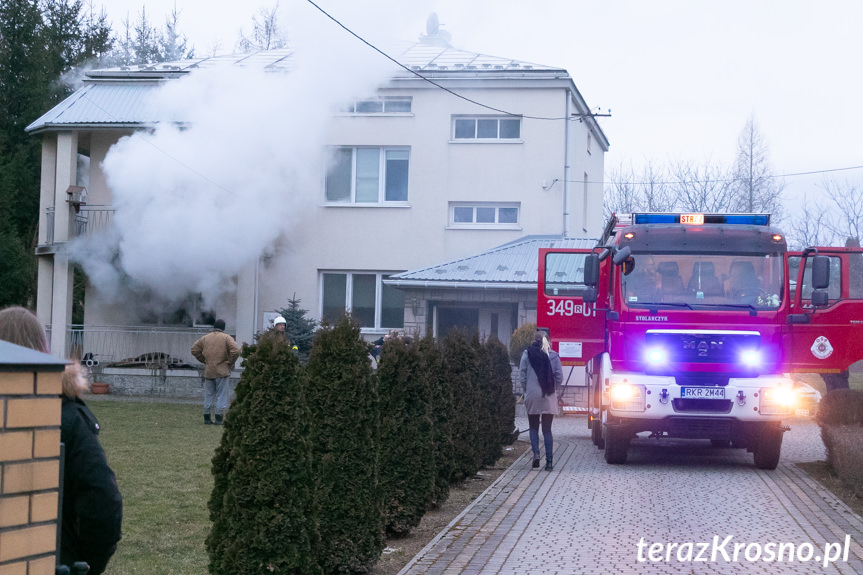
(379,287)
(385,101)
(474,225)
(476,119)
(382,177)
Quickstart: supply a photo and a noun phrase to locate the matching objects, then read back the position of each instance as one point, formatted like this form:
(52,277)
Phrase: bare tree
(701,188)
(647,191)
(266,32)
(756,187)
(847,198)
(812,227)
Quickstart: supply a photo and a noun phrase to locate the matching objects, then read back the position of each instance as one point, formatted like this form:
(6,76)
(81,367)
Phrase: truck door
(577,330)
(826,339)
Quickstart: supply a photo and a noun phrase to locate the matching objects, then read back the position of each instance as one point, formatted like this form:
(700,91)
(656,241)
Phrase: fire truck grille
(697,428)
(702,405)
(702,347)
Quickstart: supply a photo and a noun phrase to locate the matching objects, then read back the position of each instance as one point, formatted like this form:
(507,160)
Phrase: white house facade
(411,178)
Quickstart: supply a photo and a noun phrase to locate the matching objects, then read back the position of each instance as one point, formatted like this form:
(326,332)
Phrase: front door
(577,330)
(826,339)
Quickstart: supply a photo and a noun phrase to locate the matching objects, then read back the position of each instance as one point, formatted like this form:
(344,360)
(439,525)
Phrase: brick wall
(29,467)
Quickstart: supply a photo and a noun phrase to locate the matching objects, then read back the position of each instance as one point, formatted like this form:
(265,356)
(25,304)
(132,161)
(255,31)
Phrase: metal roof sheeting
(510,266)
(117,97)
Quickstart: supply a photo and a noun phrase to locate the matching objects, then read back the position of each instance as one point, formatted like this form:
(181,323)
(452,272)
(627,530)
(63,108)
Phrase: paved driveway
(681,505)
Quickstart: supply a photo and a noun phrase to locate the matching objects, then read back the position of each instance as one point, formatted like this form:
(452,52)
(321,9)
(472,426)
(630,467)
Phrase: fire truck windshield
(691,280)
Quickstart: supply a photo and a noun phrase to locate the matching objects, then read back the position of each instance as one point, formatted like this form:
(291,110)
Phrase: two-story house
(456,154)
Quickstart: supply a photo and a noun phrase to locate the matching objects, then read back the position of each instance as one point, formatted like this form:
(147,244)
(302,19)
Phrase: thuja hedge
(263,506)
(318,462)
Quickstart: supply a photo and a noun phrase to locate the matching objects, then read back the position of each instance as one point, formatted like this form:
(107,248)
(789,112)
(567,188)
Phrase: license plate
(702,392)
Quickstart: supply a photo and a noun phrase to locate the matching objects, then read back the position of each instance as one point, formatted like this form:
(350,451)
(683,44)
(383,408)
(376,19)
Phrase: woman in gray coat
(541,372)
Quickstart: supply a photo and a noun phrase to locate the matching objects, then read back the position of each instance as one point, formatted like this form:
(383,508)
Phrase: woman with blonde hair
(92,505)
(540,372)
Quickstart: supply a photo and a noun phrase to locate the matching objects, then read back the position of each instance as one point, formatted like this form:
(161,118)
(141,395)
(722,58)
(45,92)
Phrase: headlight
(627,397)
(777,400)
(751,358)
(656,356)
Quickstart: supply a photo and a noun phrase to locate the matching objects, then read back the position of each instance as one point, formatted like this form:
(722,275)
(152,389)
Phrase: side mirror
(622,255)
(819,298)
(591,271)
(820,273)
(589,295)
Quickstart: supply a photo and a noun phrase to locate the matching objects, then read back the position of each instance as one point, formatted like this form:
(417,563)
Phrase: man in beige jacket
(217,351)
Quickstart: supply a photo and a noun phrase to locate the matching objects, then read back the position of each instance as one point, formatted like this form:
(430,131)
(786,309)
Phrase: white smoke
(225,172)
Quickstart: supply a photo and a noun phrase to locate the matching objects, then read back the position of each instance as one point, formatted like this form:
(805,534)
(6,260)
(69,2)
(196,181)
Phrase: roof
(17,358)
(117,97)
(511,266)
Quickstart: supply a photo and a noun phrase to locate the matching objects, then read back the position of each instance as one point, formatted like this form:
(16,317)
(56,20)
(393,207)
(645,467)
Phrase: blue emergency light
(700,219)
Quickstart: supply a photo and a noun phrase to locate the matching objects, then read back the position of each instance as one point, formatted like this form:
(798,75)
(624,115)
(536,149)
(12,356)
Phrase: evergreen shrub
(262,507)
(343,400)
(407,460)
(442,406)
(520,339)
(459,364)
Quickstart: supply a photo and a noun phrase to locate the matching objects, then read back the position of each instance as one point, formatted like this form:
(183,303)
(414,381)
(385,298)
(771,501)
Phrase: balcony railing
(88,221)
(146,347)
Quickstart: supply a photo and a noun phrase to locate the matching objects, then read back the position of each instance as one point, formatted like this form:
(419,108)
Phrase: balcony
(89,220)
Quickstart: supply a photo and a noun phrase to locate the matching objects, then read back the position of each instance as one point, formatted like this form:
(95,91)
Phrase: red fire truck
(689,326)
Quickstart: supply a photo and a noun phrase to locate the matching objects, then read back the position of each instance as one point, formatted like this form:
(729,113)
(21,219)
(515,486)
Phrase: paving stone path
(589,517)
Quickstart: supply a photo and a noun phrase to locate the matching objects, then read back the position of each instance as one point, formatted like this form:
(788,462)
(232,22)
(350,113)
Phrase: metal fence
(89,220)
(140,346)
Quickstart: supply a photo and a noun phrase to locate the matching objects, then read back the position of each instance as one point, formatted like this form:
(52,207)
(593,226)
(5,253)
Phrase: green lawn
(161,454)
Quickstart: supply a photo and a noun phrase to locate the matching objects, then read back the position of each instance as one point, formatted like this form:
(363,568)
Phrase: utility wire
(717,180)
(438,85)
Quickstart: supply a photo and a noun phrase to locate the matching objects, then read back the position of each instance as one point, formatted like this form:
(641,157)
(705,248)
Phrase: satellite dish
(432,25)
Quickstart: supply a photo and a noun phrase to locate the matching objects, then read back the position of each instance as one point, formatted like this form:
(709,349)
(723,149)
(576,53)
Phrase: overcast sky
(679,77)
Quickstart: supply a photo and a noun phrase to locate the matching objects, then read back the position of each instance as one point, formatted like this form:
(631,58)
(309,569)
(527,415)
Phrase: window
(485,128)
(190,312)
(368,175)
(387,105)
(484,215)
(589,138)
(372,303)
(834,290)
(584,213)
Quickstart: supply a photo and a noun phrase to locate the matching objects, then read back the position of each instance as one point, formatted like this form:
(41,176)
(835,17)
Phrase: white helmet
(279,320)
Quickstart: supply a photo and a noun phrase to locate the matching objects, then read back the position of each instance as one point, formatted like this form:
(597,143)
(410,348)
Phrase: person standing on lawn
(92,505)
(540,372)
(218,352)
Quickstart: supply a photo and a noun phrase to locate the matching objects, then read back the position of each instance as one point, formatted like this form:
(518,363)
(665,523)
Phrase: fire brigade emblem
(821,348)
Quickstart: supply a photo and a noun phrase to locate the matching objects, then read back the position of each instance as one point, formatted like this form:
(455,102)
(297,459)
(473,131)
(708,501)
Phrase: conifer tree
(345,410)
(263,509)
(407,466)
(300,329)
(459,363)
(431,371)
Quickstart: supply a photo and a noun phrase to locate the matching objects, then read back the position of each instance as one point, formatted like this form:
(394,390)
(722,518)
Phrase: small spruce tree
(345,409)
(300,329)
(262,507)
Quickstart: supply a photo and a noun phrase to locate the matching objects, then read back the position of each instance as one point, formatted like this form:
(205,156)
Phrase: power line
(717,180)
(444,88)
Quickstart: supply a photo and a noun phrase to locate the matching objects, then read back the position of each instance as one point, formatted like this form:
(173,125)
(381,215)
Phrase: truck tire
(616,445)
(767,448)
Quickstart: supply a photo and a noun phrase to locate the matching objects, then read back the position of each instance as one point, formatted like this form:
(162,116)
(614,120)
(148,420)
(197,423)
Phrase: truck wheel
(767,448)
(616,445)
